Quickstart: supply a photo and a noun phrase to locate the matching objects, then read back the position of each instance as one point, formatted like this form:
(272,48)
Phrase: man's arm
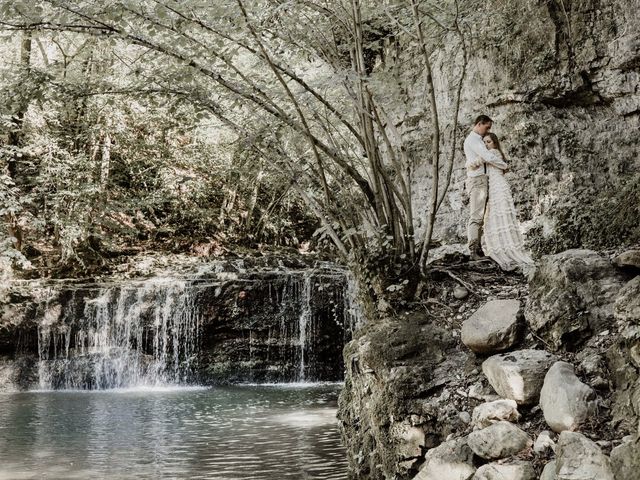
(474,164)
(480,149)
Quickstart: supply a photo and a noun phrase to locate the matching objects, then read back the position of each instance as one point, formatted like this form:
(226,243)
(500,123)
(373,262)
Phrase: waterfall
(226,322)
(140,334)
(304,320)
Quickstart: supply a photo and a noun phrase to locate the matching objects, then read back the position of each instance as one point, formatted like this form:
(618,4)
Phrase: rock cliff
(561,80)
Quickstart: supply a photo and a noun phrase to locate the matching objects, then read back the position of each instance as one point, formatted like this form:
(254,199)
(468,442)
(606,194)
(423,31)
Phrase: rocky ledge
(518,380)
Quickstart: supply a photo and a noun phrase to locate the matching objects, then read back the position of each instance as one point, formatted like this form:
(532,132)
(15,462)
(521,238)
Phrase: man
(477,183)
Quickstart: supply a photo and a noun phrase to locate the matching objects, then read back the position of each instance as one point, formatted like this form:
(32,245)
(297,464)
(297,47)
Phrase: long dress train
(502,239)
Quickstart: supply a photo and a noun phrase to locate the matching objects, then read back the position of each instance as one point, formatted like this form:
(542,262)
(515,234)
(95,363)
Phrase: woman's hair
(496,142)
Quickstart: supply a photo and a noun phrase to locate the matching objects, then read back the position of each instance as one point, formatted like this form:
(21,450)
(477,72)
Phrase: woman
(502,240)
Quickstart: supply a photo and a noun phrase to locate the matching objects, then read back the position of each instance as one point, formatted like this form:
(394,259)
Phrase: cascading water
(227,322)
(143,334)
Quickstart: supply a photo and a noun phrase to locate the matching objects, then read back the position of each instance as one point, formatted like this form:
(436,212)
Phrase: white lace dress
(502,239)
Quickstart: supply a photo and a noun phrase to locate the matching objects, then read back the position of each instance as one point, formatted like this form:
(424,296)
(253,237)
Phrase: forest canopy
(180,123)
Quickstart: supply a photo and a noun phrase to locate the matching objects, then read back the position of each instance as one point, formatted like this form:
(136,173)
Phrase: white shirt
(477,153)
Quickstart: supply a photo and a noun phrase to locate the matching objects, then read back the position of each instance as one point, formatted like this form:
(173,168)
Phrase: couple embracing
(493,227)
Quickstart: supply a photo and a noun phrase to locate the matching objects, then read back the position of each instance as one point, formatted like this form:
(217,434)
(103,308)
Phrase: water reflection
(249,432)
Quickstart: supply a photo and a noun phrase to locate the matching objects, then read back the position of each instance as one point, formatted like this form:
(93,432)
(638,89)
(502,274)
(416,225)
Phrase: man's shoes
(475,252)
(475,256)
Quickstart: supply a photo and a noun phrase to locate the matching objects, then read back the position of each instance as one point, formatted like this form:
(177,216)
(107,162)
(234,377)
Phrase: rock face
(500,440)
(566,402)
(628,259)
(492,412)
(625,460)
(542,76)
(518,375)
(623,357)
(493,327)
(505,471)
(627,305)
(398,370)
(571,296)
(578,458)
(452,460)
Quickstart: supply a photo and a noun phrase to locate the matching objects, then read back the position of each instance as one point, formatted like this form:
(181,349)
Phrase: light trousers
(478,188)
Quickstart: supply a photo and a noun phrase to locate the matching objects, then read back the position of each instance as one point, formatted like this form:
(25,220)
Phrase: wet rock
(625,460)
(518,375)
(544,442)
(565,401)
(628,259)
(452,460)
(17,374)
(500,440)
(492,412)
(578,458)
(571,296)
(493,327)
(549,471)
(505,471)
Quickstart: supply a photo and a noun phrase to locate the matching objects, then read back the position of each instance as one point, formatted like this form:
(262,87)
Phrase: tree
(326,77)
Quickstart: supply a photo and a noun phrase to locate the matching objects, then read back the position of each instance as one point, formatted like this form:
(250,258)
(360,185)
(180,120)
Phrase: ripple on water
(248,432)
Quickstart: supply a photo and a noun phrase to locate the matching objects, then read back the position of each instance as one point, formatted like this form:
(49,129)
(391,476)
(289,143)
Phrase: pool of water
(244,432)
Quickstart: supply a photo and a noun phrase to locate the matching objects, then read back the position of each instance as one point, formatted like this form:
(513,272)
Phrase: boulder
(571,296)
(549,471)
(518,375)
(578,458)
(627,305)
(628,259)
(500,440)
(566,402)
(493,327)
(544,442)
(489,413)
(625,460)
(452,460)
(505,471)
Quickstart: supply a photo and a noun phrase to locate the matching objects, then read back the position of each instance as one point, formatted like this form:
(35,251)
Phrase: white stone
(549,471)
(544,442)
(566,402)
(465,417)
(500,440)
(505,471)
(493,327)
(578,458)
(518,375)
(460,293)
(488,413)
(452,460)
(410,439)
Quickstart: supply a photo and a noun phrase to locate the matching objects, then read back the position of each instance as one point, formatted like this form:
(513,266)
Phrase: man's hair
(482,119)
